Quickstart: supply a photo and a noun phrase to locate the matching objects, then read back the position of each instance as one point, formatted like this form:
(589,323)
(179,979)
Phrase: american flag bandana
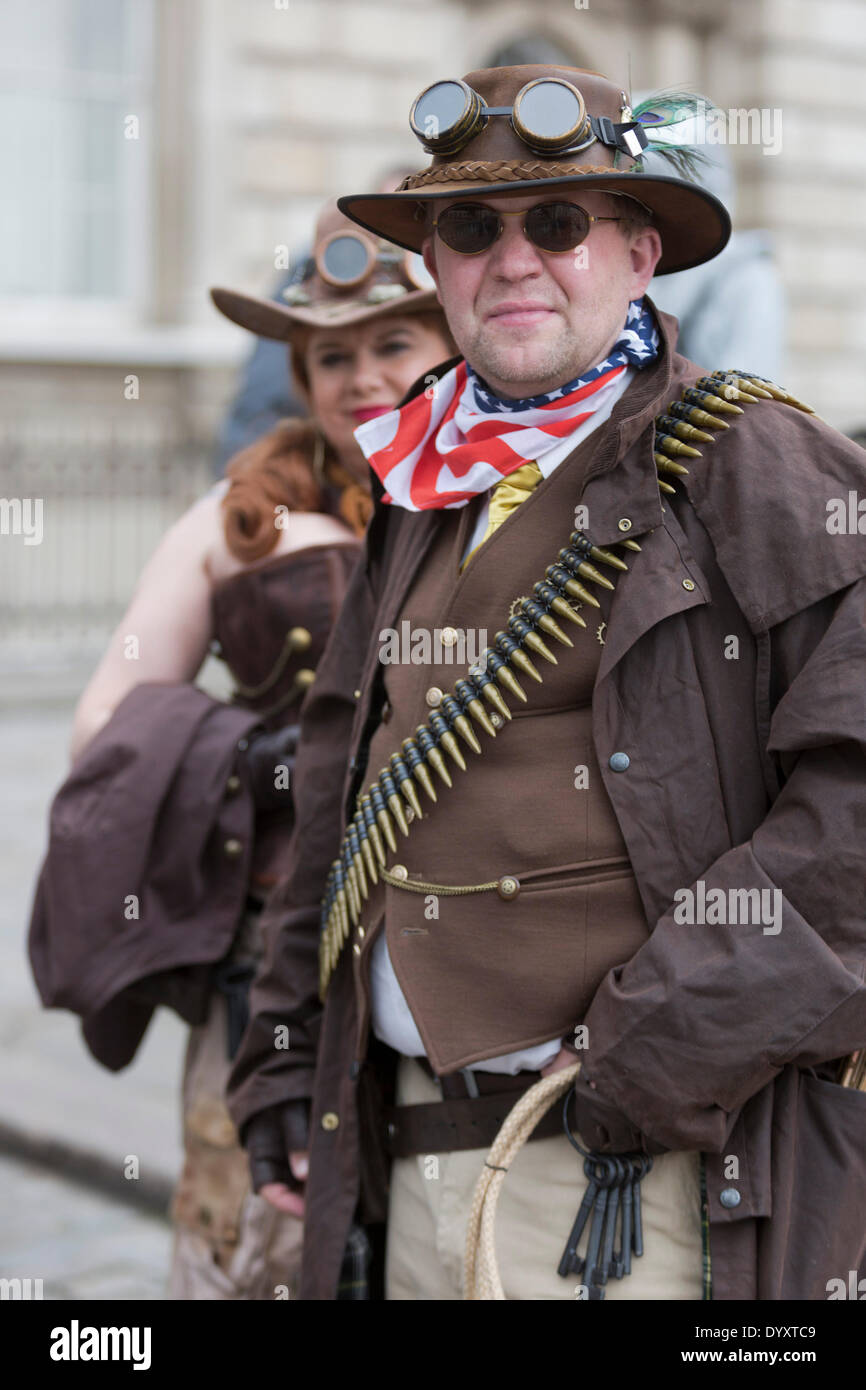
(459,437)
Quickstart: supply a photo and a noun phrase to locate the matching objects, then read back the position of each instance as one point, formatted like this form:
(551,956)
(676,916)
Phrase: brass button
(233,785)
(688,584)
(233,849)
(356,948)
(508,887)
(449,636)
(400,871)
(330,1120)
(357,694)
(361,933)
(624,523)
(433,696)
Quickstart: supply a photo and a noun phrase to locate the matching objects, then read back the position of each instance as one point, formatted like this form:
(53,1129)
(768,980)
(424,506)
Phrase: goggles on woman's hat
(528,129)
(349,278)
(345,260)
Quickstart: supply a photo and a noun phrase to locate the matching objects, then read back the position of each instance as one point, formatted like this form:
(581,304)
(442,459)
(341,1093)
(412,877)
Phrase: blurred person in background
(265,393)
(732,308)
(174,822)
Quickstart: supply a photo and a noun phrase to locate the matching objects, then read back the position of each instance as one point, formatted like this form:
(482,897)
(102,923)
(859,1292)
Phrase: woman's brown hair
(275,471)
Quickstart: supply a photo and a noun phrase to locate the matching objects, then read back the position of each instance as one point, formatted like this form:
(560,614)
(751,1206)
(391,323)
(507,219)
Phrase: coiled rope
(481,1279)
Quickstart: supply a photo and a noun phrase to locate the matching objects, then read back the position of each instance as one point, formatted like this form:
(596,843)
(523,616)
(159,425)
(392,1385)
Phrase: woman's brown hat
(694,226)
(390,285)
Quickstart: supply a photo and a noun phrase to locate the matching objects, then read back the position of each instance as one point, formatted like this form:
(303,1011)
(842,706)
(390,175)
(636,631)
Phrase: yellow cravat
(505,497)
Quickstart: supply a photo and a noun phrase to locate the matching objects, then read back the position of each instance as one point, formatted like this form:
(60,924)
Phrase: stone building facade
(165,147)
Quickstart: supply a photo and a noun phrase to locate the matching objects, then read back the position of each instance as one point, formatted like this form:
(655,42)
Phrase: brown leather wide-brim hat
(389,288)
(693,224)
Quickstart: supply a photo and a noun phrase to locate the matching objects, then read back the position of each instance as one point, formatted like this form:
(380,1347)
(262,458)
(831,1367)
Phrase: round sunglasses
(470,228)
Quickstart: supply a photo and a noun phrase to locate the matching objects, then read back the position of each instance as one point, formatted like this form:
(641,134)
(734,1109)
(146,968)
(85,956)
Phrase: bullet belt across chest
(437,746)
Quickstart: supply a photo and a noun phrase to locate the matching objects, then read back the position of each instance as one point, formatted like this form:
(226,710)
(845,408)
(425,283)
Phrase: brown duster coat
(745,773)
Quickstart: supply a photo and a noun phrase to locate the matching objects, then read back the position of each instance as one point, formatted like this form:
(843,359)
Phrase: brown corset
(271,623)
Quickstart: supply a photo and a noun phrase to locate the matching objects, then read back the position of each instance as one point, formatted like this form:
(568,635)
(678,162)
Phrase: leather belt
(462,1120)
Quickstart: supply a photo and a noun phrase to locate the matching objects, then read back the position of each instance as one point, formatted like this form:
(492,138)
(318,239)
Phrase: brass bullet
(395,806)
(707,401)
(372,829)
(452,748)
(403,780)
(383,820)
(552,628)
(370,862)
(744,383)
(666,487)
(675,447)
(669,424)
(630,545)
(509,680)
(361,874)
(420,771)
(438,764)
(565,610)
(607,557)
(590,572)
(479,714)
(519,659)
(466,732)
(493,697)
(666,465)
(698,416)
(578,590)
(427,744)
(535,644)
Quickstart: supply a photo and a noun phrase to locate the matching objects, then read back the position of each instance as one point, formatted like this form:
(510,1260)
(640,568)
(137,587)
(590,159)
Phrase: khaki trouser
(431,1195)
(229,1243)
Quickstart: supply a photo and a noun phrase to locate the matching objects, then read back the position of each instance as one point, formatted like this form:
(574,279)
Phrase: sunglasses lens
(557,226)
(469,228)
(345,259)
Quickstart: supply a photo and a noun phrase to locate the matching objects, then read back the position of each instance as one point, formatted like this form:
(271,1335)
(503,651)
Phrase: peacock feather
(672,108)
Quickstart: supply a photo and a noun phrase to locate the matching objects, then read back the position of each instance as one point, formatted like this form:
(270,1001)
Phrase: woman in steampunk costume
(493,878)
(200,792)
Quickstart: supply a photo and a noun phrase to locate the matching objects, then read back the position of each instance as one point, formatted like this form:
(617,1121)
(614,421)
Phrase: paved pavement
(80,1243)
(56,1102)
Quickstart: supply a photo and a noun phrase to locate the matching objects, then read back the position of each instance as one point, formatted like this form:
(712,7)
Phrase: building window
(76,114)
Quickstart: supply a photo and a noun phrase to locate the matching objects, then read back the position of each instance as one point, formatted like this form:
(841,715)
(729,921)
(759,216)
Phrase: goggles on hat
(549,115)
(555,227)
(346,259)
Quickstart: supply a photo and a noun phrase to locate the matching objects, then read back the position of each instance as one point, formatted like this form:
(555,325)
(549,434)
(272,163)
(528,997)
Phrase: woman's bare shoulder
(296,531)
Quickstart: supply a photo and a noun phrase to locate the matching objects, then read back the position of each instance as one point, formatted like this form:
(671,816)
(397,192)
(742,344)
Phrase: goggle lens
(550,111)
(438,109)
(345,260)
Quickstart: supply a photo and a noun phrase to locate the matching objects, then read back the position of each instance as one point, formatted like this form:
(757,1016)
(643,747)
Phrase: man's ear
(429,257)
(645,252)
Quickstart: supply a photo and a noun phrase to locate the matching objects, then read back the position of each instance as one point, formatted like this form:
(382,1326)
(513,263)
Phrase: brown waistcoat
(485,973)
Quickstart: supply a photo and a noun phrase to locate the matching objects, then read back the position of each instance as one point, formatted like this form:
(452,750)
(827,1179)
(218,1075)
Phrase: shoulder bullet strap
(708,405)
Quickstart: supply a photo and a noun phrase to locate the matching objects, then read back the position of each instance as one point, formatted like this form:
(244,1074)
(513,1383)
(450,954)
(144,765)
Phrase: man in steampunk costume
(625,833)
